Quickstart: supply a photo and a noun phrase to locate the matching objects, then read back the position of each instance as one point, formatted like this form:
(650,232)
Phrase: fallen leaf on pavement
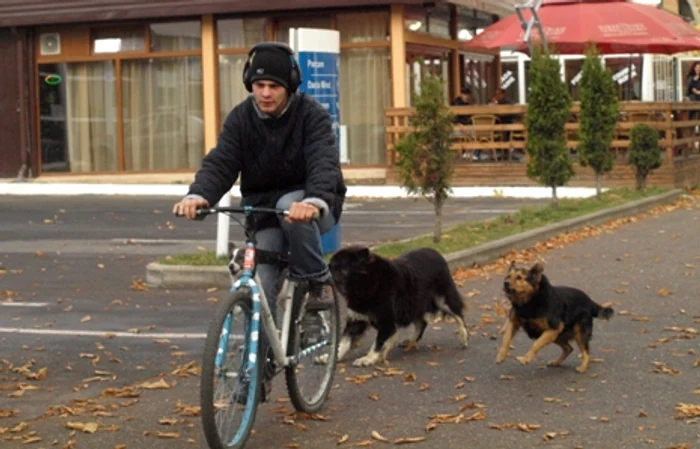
(373,396)
(90,427)
(161,384)
(661,367)
(168,421)
(409,440)
(365,443)
(8,413)
(139,285)
(687,411)
(343,439)
(377,436)
(663,292)
(506,377)
(168,435)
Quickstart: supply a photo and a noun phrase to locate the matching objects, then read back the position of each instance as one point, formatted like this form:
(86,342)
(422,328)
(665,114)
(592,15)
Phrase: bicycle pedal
(318,306)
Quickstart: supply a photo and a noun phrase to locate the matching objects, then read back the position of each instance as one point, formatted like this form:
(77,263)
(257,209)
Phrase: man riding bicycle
(283,146)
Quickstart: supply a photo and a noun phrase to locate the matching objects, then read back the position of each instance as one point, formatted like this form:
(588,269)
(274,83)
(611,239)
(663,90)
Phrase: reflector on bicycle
(249,259)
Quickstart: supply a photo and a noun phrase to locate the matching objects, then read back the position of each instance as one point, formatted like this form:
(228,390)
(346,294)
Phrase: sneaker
(320,297)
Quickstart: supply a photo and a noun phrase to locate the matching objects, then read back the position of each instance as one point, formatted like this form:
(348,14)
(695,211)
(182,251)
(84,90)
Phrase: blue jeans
(302,240)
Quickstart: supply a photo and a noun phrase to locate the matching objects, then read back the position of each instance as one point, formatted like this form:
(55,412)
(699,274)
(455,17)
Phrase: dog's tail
(603,312)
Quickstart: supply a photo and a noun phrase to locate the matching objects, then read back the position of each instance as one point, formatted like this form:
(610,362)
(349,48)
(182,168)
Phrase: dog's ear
(535,274)
(364,254)
(511,267)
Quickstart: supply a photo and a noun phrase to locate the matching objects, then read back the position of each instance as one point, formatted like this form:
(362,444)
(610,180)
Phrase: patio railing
(496,133)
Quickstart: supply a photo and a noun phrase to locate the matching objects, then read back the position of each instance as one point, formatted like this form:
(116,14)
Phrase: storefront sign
(318,55)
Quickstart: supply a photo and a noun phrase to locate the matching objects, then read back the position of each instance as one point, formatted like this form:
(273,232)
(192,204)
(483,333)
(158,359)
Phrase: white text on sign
(315,64)
(319,85)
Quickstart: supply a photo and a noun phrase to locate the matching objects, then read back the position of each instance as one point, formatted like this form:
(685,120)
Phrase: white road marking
(24,304)
(107,334)
(427,212)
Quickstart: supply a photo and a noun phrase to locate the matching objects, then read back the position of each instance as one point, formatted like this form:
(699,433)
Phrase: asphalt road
(145,225)
(82,316)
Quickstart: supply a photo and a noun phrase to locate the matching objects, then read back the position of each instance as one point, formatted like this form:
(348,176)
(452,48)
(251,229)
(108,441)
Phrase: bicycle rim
(309,380)
(225,370)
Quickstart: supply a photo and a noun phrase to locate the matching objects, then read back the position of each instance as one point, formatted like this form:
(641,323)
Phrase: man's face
(270,96)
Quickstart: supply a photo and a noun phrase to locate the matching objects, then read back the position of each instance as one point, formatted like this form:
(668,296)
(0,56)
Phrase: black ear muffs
(294,77)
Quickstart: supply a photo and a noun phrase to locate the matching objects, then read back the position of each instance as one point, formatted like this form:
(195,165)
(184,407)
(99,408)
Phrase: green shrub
(644,152)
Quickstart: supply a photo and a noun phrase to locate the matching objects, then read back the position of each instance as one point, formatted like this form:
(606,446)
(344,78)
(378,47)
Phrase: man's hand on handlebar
(302,212)
(188,207)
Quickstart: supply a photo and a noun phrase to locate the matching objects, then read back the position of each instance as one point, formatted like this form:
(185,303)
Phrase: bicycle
(303,334)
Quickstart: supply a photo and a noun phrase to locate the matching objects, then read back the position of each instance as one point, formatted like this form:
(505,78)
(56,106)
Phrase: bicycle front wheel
(231,378)
(313,340)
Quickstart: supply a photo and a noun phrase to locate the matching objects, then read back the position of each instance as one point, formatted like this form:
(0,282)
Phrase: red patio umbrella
(615,26)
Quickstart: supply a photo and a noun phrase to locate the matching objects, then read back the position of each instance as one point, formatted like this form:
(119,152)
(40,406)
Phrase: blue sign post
(318,55)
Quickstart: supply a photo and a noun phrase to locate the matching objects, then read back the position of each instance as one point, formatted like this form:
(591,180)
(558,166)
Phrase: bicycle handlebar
(202,212)
(242,210)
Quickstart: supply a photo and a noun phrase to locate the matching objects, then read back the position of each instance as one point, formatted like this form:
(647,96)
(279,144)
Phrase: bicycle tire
(291,375)
(207,385)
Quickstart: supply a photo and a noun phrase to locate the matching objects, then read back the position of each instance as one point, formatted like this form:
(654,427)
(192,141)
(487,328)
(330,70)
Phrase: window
(163,113)
(78,117)
(509,80)
(364,94)
(283,25)
(363,27)
(628,87)
(231,88)
(176,36)
(119,40)
(433,20)
(240,33)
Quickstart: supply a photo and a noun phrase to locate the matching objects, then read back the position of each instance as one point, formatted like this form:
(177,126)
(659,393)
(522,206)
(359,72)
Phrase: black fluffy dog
(392,294)
(548,314)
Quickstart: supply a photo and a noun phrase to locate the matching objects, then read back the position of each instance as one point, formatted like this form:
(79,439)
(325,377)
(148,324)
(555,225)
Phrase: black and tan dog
(548,314)
(390,294)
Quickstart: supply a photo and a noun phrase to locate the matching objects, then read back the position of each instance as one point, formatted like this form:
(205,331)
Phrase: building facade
(137,87)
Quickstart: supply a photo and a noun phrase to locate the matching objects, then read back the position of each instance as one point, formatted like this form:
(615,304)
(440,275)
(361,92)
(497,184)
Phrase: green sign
(53,79)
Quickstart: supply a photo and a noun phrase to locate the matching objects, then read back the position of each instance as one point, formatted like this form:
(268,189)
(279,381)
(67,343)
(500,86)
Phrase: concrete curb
(185,276)
(491,251)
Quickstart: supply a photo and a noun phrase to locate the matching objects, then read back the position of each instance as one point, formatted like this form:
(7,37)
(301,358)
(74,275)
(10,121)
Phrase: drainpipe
(22,105)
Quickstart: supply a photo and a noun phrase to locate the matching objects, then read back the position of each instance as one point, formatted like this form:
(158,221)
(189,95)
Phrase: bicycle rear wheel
(313,339)
(230,389)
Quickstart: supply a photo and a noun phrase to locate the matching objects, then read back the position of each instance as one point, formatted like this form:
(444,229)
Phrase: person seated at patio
(464,99)
(692,89)
(501,99)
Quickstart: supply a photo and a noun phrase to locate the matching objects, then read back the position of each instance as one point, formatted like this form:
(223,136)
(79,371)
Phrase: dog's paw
(524,359)
(501,357)
(321,359)
(407,345)
(368,360)
(581,369)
